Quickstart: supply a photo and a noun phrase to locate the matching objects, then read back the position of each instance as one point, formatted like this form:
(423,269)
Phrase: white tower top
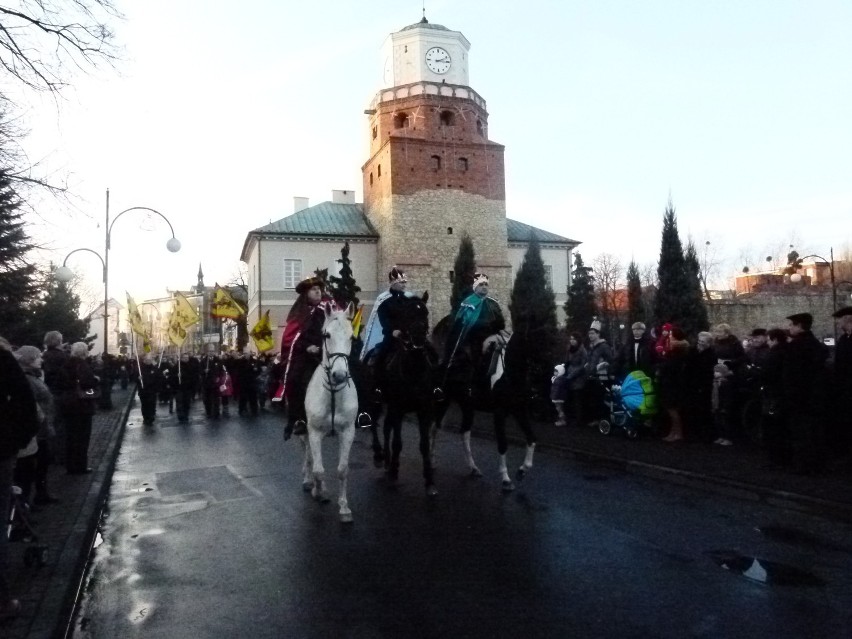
(425,51)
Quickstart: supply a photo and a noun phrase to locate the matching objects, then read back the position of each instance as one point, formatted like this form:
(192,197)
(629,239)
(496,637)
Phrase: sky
(219,113)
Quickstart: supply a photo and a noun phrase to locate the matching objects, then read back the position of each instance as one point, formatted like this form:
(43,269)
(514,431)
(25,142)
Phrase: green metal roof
(326,219)
(329,219)
(520,232)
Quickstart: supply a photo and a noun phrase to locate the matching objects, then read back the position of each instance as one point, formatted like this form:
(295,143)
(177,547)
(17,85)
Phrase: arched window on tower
(448,118)
(462,164)
(436,162)
(371,178)
(380,170)
(400,121)
(479,127)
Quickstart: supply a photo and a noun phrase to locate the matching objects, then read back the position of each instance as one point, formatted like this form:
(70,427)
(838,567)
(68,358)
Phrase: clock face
(438,60)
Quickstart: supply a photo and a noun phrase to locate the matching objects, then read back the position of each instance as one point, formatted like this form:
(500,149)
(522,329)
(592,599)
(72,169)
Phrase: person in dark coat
(672,383)
(702,359)
(211,374)
(598,363)
(638,354)
(776,437)
(187,382)
(246,372)
(52,362)
(18,425)
(804,393)
(729,349)
(841,440)
(77,413)
(150,383)
(568,387)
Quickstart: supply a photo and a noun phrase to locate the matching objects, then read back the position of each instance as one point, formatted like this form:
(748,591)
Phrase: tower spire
(423,20)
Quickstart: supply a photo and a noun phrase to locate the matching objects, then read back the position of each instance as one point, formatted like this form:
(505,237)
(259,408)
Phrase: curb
(57,620)
(825,508)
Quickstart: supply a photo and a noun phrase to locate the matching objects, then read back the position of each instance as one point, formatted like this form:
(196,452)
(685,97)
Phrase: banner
(177,332)
(184,312)
(358,321)
(223,305)
(262,334)
(136,322)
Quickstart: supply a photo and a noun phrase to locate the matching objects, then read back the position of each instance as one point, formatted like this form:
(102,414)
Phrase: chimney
(343,197)
(300,204)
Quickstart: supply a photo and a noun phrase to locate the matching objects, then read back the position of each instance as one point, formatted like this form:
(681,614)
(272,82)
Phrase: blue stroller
(631,405)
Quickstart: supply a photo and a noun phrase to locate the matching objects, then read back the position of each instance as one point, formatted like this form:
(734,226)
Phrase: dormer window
(400,121)
(448,118)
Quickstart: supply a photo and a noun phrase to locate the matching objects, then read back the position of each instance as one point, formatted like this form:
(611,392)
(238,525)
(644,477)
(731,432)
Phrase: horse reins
(331,387)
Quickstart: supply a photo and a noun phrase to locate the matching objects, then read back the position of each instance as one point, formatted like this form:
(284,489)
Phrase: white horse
(331,405)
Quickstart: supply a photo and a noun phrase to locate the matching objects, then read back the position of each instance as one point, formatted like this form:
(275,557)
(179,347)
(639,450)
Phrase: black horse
(408,382)
(501,386)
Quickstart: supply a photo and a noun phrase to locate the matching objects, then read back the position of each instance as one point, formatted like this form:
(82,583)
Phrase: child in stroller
(631,404)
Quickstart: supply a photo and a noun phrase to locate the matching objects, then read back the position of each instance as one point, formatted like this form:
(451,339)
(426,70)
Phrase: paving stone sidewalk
(68,528)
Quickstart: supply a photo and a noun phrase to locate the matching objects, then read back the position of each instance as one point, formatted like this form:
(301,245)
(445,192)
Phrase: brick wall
(769,310)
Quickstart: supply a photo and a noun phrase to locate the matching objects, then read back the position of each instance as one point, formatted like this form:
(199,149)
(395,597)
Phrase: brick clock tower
(433,174)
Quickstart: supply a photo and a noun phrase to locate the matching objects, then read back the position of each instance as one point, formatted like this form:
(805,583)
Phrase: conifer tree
(17,274)
(463,270)
(695,312)
(670,302)
(57,310)
(635,303)
(344,288)
(580,307)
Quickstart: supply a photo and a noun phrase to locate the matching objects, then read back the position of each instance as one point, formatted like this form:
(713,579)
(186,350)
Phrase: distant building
(116,318)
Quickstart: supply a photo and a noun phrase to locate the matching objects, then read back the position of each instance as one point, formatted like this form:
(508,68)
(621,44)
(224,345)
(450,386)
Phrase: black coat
(803,374)
(18,415)
(77,373)
(642,358)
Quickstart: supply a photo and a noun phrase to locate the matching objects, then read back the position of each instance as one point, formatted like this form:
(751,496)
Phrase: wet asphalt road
(209,534)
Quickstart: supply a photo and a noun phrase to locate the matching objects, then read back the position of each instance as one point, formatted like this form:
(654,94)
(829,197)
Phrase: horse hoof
(346,518)
(475,473)
(431,491)
(507,486)
(307,486)
(323,498)
(378,460)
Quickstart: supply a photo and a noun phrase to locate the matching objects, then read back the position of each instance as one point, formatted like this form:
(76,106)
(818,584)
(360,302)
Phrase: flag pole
(139,368)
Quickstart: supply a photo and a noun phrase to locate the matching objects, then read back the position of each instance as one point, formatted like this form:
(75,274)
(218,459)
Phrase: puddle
(798,537)
(763,571)
(99,539)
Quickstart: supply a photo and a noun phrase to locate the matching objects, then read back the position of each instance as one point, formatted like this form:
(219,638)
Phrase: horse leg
(346,439)
(425,424)
(378,451)
(523,421)
(506,485)
(319,491)
(307,466)
(387,429)
(396,443)
(467,424)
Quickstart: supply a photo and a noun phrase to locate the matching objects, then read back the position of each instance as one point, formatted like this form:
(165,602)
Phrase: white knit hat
(596,325)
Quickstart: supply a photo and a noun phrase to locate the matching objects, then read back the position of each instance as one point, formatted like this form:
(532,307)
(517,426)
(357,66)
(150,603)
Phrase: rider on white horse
(301,347)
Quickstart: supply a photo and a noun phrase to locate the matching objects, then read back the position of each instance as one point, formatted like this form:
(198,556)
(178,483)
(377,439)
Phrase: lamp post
(64,274)
(794,263)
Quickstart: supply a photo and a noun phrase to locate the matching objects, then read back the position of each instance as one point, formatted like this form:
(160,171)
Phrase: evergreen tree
(17,274)
(344,288)
(580,307)
(695,312)
(670,302)
(57,310)
(635,303)
(533,311)
(463,269)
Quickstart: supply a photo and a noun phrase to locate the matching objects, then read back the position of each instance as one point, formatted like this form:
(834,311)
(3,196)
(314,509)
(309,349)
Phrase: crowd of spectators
(780,389)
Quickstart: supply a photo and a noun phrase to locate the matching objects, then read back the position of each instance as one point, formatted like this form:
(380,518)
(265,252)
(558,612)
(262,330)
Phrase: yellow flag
(262,334)
(224,305)
(177,333)
(184,311)
(357,321)
(136,322)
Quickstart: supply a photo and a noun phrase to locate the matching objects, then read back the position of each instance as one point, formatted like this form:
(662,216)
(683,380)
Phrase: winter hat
(308,283)
(722,369)
(596,325)
(805,320)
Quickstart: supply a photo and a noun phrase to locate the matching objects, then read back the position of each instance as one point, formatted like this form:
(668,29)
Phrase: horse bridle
(328,363)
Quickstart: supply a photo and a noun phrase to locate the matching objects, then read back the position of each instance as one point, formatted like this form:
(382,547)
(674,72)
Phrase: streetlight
(794,263)
(64,274)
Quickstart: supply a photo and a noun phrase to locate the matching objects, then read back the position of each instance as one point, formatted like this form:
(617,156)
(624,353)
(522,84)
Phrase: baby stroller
(631,404)
(19,529)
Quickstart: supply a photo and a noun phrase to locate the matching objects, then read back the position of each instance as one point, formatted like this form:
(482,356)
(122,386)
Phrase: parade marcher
(804,392)
(773,427)
(18,424)
(187,383)
(374,329)
(478,318)
(301,348)
(597,373)
(150,381)
(246,372)
(211,372)
(77,380)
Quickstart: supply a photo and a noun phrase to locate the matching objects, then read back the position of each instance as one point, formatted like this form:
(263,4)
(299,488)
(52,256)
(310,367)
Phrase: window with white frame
(548,275)
(292,273)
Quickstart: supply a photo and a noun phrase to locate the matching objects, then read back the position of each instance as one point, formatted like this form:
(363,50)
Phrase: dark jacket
(598,354)
(673,386)
(53,360)
(18,414)
(76,374)
(637,355)
(803,374)
(575,368)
